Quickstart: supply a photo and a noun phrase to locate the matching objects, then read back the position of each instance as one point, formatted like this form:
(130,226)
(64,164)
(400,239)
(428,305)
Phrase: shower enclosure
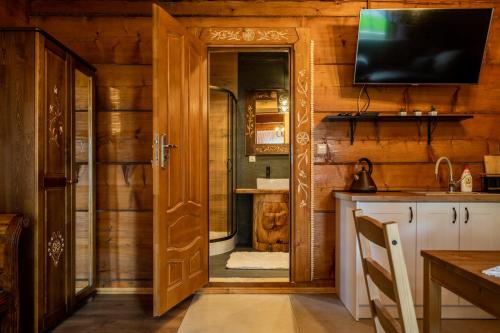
(222,148)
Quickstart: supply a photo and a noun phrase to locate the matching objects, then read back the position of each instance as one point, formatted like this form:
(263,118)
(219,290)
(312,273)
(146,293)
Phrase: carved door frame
(301,152)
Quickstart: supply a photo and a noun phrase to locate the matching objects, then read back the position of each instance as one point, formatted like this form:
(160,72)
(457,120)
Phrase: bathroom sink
(273,183)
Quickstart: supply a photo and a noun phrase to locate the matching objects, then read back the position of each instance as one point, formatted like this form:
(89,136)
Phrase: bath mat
(233,313)
(258,260)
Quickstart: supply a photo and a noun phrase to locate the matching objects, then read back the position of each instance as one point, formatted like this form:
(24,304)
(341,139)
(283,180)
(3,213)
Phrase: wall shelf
(431,121)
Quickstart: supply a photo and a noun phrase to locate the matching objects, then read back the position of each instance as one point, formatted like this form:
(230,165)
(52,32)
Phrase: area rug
(258,260)
(230,313)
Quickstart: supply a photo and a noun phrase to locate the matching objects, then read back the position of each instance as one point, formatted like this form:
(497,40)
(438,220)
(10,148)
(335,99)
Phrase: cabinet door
(479,228)
(437,229)
(404,213)
(53,233)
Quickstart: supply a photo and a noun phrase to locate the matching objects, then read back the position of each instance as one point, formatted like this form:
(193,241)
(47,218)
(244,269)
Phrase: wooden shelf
(431,121)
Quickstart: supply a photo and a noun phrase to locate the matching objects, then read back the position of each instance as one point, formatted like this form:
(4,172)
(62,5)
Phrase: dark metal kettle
(363,182)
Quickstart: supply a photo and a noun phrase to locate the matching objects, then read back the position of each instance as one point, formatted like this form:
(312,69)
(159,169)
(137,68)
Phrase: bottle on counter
(466,180)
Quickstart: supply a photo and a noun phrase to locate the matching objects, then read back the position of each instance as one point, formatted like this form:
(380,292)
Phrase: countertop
(408,196)
(258,191)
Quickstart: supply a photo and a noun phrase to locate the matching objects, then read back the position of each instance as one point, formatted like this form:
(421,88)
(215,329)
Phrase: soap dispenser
(466,180)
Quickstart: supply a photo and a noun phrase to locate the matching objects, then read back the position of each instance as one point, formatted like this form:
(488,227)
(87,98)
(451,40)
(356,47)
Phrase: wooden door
(404,213)
(437,229)
(180,167)
(53,232)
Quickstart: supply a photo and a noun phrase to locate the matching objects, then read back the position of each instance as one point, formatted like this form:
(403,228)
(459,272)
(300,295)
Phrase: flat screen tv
(421,46)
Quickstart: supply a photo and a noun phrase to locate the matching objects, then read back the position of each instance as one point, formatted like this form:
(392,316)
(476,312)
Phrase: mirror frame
(252,148)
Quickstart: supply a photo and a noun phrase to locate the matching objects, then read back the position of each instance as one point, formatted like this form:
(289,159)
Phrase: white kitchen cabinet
(438,228)
(404,213)
(440,225)
(479,228)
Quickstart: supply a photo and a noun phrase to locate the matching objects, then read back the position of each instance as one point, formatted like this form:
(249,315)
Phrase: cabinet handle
(454,215)
(467,215)
(411,214)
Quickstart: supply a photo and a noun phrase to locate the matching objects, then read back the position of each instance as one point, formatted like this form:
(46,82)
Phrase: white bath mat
(258,260)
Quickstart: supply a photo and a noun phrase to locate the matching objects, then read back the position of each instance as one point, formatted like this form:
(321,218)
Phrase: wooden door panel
(176,119)
(56,129)
(196,142)
(56,249)
(180,182)
(54,238)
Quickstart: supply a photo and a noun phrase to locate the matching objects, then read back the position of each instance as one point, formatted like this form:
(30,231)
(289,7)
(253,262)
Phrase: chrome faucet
(452,185)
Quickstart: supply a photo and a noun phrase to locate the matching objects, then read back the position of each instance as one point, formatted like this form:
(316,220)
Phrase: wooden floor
(123,314)
(312,313)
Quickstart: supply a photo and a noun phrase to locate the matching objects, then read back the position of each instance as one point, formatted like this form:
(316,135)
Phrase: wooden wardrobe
(47,171)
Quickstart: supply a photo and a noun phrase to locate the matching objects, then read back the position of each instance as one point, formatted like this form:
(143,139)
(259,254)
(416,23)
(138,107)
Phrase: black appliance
(362,181)
(490,183)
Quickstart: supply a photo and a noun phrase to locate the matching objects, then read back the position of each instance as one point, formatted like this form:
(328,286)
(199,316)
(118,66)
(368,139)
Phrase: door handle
(229,164)
(411,214)
(467,215)
(165,150)
(454,215)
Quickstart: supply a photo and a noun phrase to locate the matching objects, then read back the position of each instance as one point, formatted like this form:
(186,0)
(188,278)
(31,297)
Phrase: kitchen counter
(258,191)
(416,197)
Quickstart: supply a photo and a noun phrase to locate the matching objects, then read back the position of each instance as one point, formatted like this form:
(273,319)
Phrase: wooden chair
(11,226)
(394,284)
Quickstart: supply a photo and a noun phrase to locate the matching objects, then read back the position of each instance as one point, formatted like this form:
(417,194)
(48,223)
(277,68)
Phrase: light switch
(321,148)
(251,159)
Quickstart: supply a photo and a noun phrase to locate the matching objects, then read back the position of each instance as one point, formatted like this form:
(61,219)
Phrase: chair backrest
(393,284)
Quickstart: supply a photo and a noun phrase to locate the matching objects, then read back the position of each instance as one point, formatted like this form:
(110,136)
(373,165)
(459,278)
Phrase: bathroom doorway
(249,164)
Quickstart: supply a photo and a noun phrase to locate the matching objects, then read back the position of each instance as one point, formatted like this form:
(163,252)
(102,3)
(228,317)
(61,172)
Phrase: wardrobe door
(83,173)
(53,235)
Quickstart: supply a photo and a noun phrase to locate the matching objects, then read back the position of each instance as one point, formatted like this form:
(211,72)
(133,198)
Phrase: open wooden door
(180,170)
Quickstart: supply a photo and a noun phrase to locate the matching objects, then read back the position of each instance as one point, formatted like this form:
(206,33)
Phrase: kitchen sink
(445,193)
(273,183)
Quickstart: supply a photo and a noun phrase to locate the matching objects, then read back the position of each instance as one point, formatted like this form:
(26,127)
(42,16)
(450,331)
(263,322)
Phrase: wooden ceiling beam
(197,8)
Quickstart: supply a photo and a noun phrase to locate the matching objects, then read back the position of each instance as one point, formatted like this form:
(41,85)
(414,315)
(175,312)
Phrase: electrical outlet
(251,159)
(321,148)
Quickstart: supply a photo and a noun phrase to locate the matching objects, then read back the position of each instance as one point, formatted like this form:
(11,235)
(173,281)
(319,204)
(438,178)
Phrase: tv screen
(421,46)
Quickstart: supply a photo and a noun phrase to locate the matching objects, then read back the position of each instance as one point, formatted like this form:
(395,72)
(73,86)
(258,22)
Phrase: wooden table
(459,272)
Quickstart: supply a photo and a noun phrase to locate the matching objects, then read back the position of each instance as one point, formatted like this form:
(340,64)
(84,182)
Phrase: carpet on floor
(258,260)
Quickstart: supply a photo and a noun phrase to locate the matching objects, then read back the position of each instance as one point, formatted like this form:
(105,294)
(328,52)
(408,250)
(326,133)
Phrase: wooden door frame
(301,153)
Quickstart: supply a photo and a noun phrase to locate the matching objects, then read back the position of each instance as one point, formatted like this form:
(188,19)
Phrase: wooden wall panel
(124,136)
(121,46)
(323,239)
(102,40)
(125,253)
(13,13)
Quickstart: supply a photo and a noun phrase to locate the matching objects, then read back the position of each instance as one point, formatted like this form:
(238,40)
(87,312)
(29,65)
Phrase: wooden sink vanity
(270,219)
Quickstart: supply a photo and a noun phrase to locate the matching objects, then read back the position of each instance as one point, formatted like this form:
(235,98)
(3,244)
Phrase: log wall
(116,37)
(13,13)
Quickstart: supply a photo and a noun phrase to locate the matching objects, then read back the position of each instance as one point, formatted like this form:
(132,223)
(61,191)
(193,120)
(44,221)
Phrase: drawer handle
(454,215)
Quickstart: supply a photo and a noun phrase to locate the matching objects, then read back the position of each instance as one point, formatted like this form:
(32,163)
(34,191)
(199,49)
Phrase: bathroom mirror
(267,122)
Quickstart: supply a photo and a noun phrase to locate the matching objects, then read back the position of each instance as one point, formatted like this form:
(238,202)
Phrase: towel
(495,271)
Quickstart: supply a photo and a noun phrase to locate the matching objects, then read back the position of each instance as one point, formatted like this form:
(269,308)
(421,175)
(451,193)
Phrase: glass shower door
(221,166)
